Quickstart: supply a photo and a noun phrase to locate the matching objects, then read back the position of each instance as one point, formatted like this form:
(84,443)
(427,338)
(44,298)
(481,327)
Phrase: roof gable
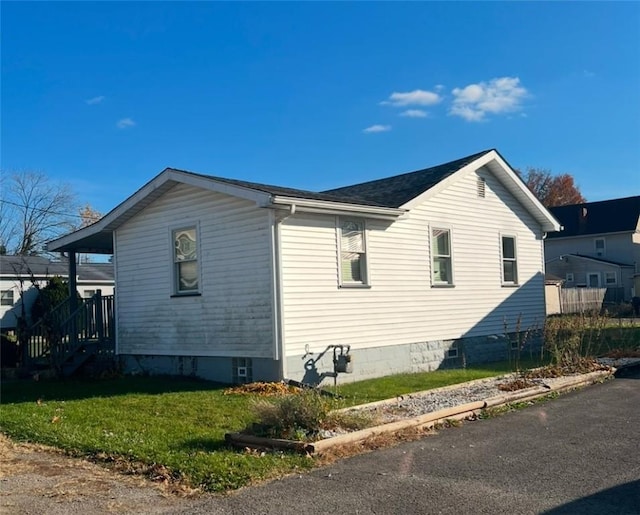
(607,216)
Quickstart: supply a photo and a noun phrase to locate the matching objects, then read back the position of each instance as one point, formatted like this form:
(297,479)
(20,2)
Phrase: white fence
(579,300)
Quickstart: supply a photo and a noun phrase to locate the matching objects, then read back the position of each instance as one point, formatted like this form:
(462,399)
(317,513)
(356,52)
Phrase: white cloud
(415,97)
(498,96)
(377,128)
(125,123)
(94,100)
(414,113)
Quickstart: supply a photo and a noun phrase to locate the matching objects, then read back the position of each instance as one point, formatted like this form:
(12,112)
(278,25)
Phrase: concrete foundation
(318,367)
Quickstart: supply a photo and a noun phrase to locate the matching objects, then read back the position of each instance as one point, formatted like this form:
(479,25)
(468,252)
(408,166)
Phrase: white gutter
(336,208)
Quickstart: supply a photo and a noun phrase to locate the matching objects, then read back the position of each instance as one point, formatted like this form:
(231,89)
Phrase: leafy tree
(552,190)
(33,210)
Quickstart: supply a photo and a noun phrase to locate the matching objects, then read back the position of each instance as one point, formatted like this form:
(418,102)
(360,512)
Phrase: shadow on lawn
(76,389)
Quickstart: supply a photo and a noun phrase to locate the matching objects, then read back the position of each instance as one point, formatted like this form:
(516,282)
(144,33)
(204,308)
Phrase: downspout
(276,245)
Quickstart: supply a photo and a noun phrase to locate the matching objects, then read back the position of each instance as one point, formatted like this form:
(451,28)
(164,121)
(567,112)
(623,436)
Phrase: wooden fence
(580,300)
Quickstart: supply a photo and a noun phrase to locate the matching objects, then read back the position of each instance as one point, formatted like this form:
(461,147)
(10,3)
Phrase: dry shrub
(301,416)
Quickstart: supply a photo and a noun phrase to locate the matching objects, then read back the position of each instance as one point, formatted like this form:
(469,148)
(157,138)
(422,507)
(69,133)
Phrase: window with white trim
(6,298)
(441,261)
(353,252)
(610,279)
(600,246)
(185,260)
(509,260)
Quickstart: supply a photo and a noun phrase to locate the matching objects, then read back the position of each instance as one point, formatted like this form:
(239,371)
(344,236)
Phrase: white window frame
(175,285)
(364,254)
(4,297)
(569,277)
(434,256)
(514,259)
(615,278)
(600,252)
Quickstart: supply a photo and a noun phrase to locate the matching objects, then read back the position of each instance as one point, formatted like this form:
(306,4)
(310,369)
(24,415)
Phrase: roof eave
(329,207)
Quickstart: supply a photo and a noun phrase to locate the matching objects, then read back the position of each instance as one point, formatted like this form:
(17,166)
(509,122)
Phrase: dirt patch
(38,479)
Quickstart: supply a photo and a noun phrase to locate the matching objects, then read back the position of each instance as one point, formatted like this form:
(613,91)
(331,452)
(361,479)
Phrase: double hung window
(185,260)
(353,252)
(442,269)
(6,298)
(509,260)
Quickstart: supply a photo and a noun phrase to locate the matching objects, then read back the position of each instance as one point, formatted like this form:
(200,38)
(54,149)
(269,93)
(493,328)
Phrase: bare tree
(33,210)
(552,190)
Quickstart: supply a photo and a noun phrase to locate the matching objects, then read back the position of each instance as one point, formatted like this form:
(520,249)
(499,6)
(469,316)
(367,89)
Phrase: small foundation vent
(241,370)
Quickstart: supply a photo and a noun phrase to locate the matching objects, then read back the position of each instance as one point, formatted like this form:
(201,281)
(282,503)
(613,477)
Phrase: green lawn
(180,424)
(177,423)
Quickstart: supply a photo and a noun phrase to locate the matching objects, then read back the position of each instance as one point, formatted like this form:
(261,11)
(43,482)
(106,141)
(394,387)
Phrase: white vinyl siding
(401,306)
(233,314)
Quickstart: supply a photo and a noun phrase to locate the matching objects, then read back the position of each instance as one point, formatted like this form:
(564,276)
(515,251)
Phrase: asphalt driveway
(578,454)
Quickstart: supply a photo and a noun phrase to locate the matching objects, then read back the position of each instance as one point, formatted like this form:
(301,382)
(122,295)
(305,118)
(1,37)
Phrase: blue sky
(318,95)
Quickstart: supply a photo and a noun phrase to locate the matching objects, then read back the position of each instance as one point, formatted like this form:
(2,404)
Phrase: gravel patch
(416,404)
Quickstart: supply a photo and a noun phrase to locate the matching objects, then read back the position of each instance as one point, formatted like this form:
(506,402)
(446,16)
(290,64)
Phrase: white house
(237,281)
(19,276)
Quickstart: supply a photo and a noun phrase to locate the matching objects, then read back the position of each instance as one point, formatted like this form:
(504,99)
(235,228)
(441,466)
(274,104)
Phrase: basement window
(241,370)
(452,352)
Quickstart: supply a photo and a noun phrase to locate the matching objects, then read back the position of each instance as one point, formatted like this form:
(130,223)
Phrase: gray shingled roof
(42,267)
(400,189)
(607,216)
(389,192)
(282,191)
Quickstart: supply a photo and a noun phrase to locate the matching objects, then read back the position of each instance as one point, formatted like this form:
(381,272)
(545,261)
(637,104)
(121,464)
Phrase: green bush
(53,294)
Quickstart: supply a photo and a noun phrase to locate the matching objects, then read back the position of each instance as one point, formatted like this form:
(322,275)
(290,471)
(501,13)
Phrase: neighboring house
(237,281)
(19,276)
(599,246)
